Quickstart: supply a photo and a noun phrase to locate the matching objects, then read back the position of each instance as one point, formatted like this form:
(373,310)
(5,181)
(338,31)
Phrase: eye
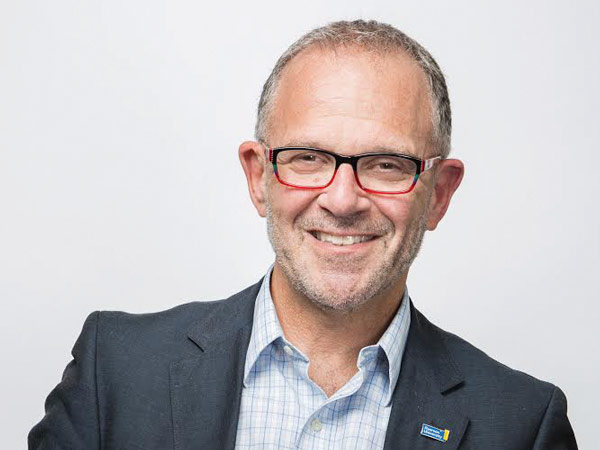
(387,166)
(306,157)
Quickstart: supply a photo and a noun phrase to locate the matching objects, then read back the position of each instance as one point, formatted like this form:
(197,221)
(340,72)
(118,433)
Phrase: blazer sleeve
(72,419)
(555,432)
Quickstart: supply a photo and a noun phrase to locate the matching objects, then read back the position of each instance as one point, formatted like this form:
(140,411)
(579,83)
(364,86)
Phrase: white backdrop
(120,186)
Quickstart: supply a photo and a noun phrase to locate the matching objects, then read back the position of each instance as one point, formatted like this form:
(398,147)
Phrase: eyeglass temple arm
(268,152)
(428,163)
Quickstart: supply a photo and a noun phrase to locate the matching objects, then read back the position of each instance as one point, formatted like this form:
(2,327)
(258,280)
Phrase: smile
(341,240)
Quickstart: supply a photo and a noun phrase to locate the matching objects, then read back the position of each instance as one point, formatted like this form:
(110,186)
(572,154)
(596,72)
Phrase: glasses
(378,173)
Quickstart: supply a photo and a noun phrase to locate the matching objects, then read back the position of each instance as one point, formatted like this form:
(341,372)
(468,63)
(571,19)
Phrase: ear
(448,177)
(252,158)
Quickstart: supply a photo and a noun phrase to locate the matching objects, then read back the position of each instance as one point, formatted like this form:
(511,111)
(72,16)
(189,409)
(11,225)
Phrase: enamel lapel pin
(435,433)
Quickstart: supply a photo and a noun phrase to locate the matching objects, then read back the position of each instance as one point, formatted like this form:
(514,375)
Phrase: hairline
(438,104)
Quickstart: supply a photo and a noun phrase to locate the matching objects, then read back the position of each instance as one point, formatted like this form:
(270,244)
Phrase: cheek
(287,204)
(399,211)
(402,212)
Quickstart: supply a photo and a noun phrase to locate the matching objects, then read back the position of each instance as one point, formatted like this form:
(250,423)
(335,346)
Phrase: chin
(336,301)
(338,291)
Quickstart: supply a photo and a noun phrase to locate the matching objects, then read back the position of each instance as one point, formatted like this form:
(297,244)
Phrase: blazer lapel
(423,393)
(206,390)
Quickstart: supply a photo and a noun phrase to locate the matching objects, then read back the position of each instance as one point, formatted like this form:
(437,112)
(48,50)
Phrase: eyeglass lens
(311,168)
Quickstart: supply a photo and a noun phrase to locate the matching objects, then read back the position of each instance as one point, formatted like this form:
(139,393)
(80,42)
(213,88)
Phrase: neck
(326,333)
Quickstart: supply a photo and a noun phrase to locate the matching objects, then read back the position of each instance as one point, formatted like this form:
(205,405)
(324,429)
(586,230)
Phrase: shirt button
(288,350)
(316,425)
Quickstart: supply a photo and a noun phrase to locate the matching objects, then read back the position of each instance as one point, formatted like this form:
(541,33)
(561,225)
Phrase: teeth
(340,240)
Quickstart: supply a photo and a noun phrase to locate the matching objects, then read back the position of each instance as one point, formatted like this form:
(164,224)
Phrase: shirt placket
(316,431)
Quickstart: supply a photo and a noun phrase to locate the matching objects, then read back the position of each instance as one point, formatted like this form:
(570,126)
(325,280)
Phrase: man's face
(349,102)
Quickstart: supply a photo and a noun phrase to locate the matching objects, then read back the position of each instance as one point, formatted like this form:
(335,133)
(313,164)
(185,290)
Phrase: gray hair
(371,36)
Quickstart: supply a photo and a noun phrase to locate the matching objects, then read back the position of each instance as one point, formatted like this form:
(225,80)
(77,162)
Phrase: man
(350,168)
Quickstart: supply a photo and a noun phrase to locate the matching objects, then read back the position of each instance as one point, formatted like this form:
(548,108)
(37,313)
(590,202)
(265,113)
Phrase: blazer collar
(225,319)
(424,391)
(206,390)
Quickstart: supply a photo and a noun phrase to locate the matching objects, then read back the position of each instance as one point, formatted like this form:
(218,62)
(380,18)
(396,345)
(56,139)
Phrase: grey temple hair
(370,36)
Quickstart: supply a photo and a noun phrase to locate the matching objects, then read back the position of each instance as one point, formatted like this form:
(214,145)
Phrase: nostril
(344,197)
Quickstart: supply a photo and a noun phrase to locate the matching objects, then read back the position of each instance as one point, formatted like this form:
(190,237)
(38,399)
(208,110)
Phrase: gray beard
(380,279)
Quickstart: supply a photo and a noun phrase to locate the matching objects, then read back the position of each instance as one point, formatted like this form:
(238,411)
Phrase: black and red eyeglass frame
(421,166)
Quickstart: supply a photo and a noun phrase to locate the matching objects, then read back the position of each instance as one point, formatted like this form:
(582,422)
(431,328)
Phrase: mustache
(356,223)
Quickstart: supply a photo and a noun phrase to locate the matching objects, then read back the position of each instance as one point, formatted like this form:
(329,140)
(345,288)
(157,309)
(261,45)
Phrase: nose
(344,197)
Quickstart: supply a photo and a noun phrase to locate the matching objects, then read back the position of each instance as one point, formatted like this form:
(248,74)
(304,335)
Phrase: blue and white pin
(435,433)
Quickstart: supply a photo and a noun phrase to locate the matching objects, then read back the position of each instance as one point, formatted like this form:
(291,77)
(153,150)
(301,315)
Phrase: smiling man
(345,235)
(350,168)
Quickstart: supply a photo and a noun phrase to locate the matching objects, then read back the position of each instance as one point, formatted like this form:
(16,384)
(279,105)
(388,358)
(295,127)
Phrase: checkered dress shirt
(282,408)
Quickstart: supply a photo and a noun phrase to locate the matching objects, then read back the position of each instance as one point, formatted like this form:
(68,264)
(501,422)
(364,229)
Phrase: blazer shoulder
(534,410)
(157,331)
(498,380)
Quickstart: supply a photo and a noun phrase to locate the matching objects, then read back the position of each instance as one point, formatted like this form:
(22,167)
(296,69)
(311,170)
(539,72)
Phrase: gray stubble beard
(379,281)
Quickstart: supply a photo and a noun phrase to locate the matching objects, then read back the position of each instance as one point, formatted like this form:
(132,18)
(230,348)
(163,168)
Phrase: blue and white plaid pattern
(282,408)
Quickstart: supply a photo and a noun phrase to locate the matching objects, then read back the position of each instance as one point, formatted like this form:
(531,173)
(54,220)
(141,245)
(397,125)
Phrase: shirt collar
(393,342)
(265,326)
(266,329)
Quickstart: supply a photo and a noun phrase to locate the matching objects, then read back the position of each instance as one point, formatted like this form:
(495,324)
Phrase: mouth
(342,240)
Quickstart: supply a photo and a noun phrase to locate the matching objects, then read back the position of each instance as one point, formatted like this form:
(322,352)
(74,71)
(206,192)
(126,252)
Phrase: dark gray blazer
(173,380)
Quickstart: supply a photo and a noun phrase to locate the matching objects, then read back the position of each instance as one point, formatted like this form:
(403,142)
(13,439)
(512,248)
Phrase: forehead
(352,98)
